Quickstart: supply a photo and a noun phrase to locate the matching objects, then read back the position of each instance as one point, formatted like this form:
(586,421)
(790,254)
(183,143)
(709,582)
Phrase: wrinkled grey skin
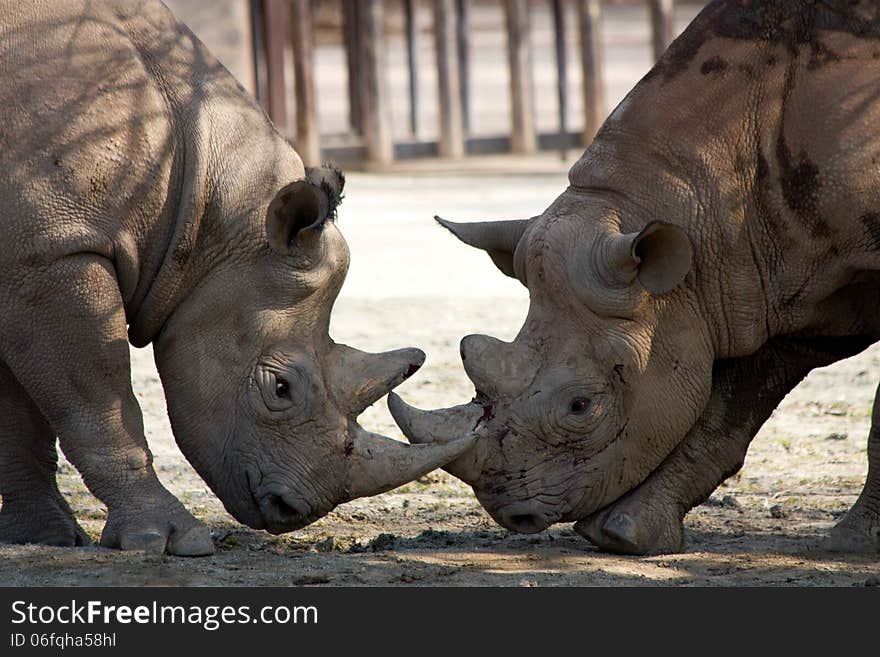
(145,197)
(719,238)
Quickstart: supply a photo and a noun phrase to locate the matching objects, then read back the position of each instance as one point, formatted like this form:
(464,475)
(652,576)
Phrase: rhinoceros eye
(579,405)
(282,388)
(282,385)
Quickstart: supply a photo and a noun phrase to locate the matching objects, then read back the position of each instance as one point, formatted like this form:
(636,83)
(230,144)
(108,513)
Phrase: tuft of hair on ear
(330,179)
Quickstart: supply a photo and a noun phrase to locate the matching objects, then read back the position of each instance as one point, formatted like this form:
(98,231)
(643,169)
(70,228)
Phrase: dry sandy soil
(412,284)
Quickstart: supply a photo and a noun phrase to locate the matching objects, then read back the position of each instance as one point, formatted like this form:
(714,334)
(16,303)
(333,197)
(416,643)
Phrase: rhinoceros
(719,238)
(146,198)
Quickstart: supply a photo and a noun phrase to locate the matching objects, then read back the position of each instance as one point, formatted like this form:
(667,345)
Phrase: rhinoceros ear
(497,238)
(331,180)
(296,216)
(299,210)
(659,257)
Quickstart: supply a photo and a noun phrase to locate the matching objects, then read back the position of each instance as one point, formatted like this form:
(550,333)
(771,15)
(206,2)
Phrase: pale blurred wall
(224,26)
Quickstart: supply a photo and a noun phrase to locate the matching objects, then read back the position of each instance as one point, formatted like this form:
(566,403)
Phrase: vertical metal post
(352,41)
(561,71)
(412,54)
(589,19)
(258,46)
(377,111)
(662,25)
(464,62)
(451,142)
(523,136)
(306,140)
(275,12)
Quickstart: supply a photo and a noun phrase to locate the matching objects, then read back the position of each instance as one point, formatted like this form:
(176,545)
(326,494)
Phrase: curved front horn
(443,426)
(440,426)
(378,464)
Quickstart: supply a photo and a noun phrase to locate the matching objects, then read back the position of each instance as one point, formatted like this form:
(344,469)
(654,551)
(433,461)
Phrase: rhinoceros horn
(497,238)
(444,426)
(376,463)
(359,378)
(379,464)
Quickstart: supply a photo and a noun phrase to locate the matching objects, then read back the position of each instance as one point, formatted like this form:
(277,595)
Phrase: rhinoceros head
(605,376)
(262,401)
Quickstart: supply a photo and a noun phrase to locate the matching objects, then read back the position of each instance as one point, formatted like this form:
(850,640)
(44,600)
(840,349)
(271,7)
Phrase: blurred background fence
(371,82)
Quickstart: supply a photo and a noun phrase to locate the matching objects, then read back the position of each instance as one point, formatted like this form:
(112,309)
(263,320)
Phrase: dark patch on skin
(789,23)
(412,369)
(349,447)
(762,170)
(618,370)
(801,185)
(183,250)
(821,55)
(770,61)
(747,70)
(871,222)
(770,221)
(771,373)
(502,436)
(485,417)
(713,64)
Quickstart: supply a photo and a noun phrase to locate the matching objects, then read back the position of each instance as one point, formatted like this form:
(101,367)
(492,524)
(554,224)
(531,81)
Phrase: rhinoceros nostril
(525,523)
(283,510)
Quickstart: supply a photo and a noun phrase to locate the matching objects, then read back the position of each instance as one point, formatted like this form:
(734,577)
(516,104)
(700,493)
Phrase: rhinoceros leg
(33,509)
(745,391)
(69,351)
(859,529)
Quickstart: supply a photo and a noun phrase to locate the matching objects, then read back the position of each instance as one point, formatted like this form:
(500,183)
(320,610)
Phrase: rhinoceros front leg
(745,391)
(64,339)
(859,529)
(33,509)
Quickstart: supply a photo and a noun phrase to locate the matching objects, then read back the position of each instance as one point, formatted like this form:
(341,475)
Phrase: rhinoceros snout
(524,518)
(282,509)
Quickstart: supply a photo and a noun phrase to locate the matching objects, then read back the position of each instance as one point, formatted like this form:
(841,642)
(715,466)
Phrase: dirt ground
(412,284)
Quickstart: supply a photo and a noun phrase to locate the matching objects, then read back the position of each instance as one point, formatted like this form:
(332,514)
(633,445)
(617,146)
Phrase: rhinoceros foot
(858,531)
(161,526)
(628,529)
(48,522)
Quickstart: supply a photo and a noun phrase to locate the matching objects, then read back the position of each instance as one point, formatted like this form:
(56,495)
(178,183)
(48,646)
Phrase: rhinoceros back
(119,133)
